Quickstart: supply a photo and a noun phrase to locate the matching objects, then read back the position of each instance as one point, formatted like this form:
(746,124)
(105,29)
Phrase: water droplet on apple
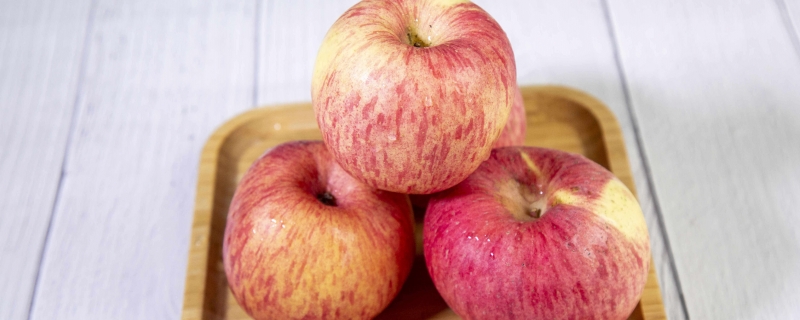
(274,221)
(491,254)
(283,226)
(428,101)
(392,137)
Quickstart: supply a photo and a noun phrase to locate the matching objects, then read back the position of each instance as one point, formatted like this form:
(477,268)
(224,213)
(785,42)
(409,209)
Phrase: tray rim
(195,280)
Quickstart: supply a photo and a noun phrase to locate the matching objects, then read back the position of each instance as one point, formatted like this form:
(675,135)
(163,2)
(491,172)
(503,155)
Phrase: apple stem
(327,199)
(415,40)
(537,207)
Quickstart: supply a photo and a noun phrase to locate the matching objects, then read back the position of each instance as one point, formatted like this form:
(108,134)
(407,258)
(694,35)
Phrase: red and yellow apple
(514,132)
(537,234)
(410,95)
(304,239)
(513,135)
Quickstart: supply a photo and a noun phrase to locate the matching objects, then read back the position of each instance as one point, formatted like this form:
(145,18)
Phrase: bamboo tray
(558,117)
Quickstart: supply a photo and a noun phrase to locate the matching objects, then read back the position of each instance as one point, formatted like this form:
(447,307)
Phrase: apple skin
(288,255)
(513,135)
(413,119)
(585,257)
(514,132)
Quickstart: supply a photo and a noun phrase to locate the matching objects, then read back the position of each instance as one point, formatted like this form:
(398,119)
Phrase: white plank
(41,43)
(290,34)
(161,75)
(568,43)
(714,87)
(791,11)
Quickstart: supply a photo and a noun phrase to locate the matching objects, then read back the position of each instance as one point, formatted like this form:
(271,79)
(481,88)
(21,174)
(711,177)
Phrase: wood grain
(714,86)
(560,118)
(41,44)
(160,76)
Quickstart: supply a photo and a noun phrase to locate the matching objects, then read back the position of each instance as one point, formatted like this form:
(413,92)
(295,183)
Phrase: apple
(304,239)
(513,135)
(514,132)
(410,95)
(537,234)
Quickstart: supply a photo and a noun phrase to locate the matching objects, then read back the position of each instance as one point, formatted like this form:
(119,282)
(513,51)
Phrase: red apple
(514,132)
(306,240)
(513,135)
(410,95)
(537,234)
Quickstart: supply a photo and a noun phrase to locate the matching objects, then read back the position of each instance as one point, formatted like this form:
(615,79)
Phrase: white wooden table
(105,105)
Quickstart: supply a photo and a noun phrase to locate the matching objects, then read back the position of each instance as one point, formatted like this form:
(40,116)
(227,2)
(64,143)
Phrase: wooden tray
(558,117)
